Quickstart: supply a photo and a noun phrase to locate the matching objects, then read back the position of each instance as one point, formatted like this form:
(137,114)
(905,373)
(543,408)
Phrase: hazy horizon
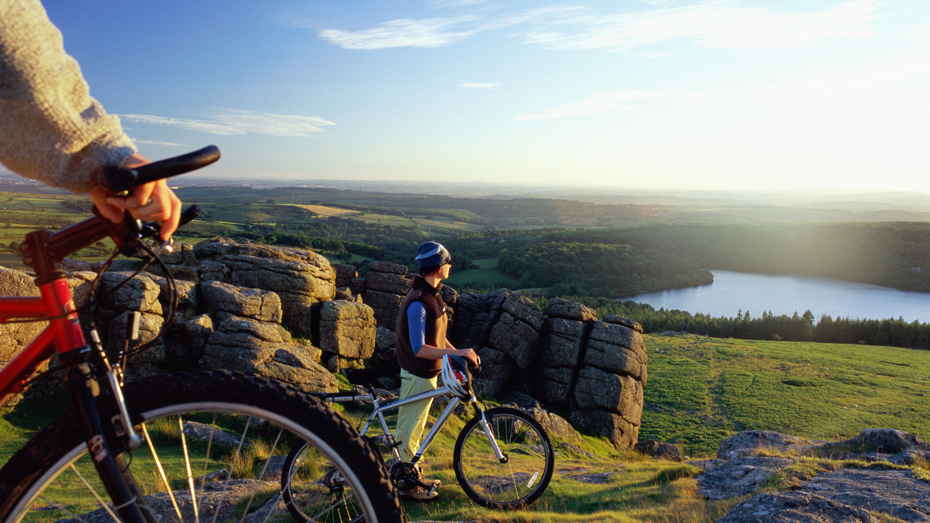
(914,200)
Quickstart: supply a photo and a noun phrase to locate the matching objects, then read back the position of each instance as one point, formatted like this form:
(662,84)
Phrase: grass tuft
(677,472)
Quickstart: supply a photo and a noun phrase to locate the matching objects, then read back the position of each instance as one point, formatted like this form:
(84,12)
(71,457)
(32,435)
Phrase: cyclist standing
(421,343)
(52,130)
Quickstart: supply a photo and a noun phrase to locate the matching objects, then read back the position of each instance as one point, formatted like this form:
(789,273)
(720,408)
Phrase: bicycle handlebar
(120,182)
(43,250)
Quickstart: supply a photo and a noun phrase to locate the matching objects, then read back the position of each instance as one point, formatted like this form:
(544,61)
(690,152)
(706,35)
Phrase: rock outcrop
(840,493)
(291,315)
(594,369)
(796,507)
(347,332)
(505,329)
(302,279)
(248,345)
(383,289)
(14,336)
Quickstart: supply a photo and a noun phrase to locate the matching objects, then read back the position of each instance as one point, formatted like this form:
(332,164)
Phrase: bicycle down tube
(441,391)
(379,411)
(63,333)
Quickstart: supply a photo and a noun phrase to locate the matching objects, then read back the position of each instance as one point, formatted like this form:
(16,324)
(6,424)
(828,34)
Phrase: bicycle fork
(483,421)
(107,457)
(107,437)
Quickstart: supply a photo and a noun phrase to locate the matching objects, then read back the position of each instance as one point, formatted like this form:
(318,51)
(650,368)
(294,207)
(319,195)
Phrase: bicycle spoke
(187,465)
(70,514)
(206,460)
(332,507)
(161,472)
(262,475)
(232,467)
(277,499)
(514,482)
(242,436)
(93,493)
(317,491)
(274,446)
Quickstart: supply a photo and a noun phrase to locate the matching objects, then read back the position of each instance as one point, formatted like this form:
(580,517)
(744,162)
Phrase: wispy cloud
(436,32)
(714,24)
(717,24)
(912,65)
(156,142)
(432,32)
(480,85)
(232,121)
(900,69)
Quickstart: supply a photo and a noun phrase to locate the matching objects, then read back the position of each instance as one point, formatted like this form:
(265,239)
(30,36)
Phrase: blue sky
(650,94)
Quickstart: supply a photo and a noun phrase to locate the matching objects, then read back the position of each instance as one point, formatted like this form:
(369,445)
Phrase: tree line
(768,326)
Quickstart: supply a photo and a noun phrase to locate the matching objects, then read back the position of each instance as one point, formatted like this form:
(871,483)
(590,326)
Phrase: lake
(758,293)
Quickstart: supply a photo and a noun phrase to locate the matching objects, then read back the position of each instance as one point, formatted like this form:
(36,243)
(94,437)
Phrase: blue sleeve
(416,325)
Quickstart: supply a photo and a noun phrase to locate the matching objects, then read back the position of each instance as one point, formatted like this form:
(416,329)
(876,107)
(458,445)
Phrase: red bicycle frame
(63,333)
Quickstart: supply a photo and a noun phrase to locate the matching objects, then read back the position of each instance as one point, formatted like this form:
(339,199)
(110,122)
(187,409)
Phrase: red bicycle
(189,446)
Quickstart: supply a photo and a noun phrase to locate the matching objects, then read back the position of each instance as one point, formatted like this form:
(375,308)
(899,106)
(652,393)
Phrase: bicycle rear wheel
(217,437)
(521,477)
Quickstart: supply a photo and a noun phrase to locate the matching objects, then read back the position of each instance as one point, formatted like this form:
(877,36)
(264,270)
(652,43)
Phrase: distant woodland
(597,269)
(892,255)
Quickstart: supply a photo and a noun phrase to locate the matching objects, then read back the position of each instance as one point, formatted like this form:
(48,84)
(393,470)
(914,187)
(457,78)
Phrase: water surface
(732,292)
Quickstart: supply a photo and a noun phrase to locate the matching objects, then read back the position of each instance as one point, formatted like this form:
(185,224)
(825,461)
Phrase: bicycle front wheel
(514,481)
(310,485)
(213,443)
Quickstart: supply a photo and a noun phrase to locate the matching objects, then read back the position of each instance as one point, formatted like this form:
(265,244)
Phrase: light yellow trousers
(412,418)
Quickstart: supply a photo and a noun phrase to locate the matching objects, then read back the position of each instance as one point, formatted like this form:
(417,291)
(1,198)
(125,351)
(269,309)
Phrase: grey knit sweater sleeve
(50,127)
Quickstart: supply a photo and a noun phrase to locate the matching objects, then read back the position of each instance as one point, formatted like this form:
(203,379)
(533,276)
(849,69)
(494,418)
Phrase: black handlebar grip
(178,165)
(190,214)
(120,182)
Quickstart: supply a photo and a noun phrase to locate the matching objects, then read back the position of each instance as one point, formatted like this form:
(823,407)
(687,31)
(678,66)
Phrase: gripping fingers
(153,202)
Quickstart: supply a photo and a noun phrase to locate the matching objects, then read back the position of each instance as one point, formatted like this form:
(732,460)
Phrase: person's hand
(153,201)
(471,355)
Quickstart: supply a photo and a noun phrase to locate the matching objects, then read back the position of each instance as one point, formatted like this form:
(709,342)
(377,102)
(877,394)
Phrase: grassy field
(20,215)
(324,211)
(425,222)
(482,279)
(486,263)
(485,277)
(700,391)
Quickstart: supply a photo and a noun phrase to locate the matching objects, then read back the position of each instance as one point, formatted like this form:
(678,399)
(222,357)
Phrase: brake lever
(132,230)
(153,229)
